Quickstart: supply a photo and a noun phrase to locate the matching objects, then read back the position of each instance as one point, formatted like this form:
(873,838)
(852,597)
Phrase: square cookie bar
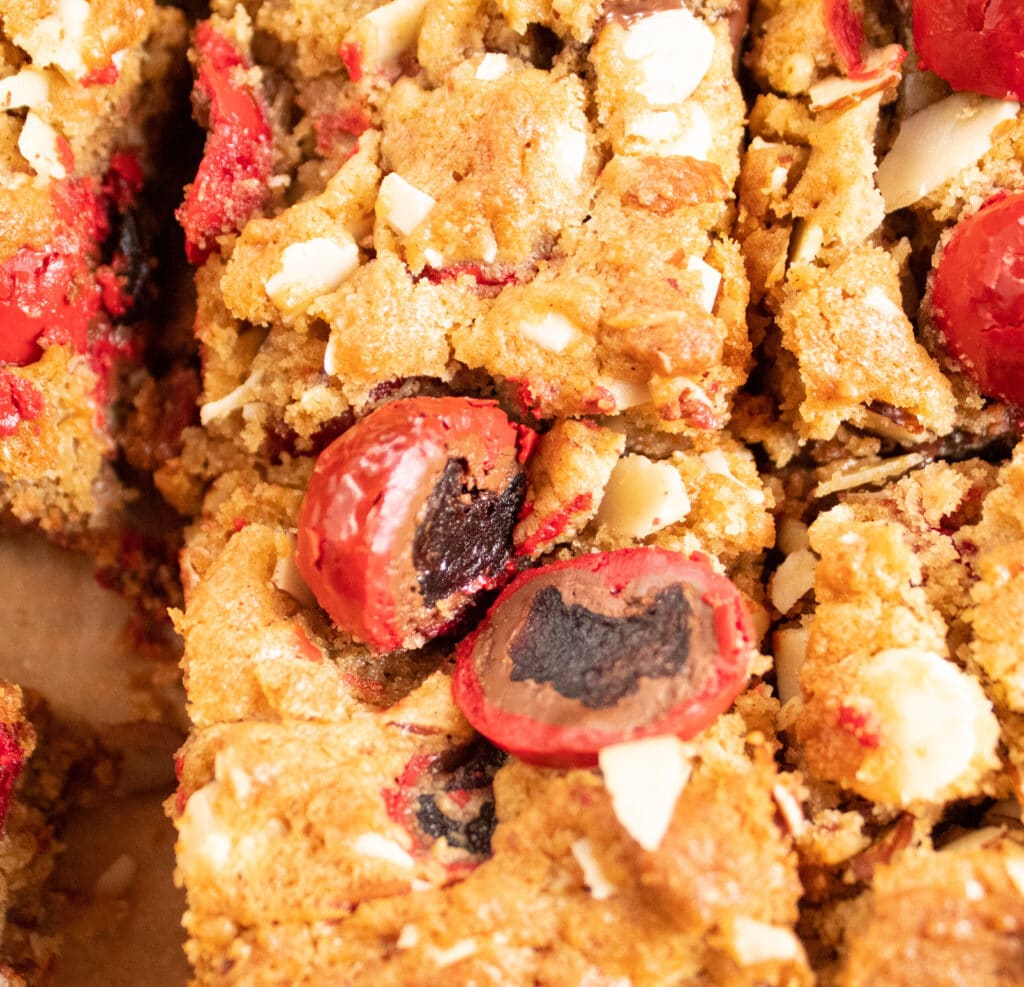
(474,590)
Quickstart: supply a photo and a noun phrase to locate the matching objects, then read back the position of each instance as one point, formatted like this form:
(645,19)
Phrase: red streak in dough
(232,180)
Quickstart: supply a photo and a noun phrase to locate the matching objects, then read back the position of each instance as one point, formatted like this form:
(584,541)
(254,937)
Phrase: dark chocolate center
(464,533)
(596,659)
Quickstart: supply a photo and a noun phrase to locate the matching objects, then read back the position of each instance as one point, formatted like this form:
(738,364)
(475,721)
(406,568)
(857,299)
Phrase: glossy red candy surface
(409,514)
(231,182)
(978,297)
(975,45)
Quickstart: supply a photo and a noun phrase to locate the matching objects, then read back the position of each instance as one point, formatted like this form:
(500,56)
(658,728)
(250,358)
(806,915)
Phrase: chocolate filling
(464,534)
(473,835)
(595,658)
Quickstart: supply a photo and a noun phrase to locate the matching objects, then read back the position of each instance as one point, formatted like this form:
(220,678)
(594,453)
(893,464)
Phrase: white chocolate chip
(408,937)
(936,144)
(645,778)
(311,269)
(710,280)
(755,942)
(641,497)
(685,131)
(28,88)
(553,332)
(58,38)
(38,146)
(594,876)
(492,66)
(793,579)
(386,32)
(202,837)
(627,394)
(673,50)
(930,714)
(569,153)
(401,205)
(381,848)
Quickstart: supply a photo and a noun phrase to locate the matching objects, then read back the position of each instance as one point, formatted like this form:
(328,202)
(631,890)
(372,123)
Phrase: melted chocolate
(596,659)
(464,534)
(469,771)
(625,12)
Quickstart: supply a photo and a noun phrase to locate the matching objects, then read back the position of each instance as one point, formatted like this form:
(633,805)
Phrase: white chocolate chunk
(58,38)
(642,496)
(38,146)
(28,88)
(386,32)
(759,942)
(686,131)
(408,937)
(381,848)
(933,717)
(553,332)
(310,269)
(673,50)
(594,877)
(710,280)
(401,205)
(569,152)
(793,579)
(492,66)
(936,144)
(627,393)
(715,462)
(202,837)
(645,778)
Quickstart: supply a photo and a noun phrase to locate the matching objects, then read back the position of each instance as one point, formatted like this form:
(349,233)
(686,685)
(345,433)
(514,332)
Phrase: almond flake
(645,778)
(642,496)
(938,143)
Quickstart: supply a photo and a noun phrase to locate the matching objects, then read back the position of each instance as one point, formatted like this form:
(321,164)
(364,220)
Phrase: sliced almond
(645,778)
(938,143)
(642,496)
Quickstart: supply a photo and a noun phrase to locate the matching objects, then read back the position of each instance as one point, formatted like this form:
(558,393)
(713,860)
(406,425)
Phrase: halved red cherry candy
(409,515)
(978,297)
(975,45)
(578,655)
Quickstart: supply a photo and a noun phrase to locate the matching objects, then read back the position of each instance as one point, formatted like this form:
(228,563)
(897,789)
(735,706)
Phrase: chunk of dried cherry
(597,650)
(409,515)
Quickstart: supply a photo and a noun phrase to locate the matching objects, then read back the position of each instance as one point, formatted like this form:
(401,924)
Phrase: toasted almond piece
(645,778)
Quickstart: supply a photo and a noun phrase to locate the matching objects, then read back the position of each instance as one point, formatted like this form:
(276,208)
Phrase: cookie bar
(86,90)
(473,325)
(861,162)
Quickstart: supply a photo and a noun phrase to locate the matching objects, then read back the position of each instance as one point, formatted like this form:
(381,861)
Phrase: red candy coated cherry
(975,45)
(601,649)
(978,297)
(409,514)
